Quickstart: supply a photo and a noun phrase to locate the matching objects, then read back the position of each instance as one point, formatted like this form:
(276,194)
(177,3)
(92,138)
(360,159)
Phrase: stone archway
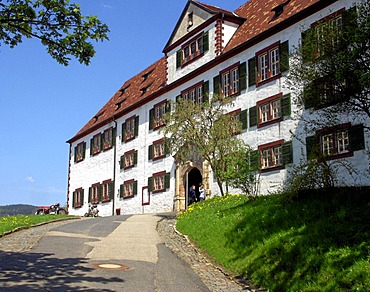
(187,173)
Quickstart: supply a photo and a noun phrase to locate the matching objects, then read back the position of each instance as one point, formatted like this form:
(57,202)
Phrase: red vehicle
(53,209)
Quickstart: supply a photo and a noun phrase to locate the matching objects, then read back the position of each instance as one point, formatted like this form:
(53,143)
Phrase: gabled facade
(119,160)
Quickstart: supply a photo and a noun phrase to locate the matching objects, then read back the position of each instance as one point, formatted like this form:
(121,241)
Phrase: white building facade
(118,159)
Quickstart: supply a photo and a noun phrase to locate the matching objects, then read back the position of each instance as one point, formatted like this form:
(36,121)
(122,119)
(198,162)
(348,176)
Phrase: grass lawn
(318,242)
(9,223)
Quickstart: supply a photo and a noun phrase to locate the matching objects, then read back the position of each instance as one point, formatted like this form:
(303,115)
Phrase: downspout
(114,166)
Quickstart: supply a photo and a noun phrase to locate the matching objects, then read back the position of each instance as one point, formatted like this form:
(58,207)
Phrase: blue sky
(43,104)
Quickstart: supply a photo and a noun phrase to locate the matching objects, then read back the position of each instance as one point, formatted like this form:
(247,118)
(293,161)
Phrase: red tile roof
(259,16)
(134,90)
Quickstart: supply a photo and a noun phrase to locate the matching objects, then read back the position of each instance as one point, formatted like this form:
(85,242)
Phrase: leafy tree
(241,171)
(330,70)
(58,24)
(205,129)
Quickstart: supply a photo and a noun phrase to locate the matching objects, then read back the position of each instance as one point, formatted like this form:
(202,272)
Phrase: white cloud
(107,6)
(30,179)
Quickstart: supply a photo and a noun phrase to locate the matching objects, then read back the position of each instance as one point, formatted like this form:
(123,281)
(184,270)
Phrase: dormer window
(146,75)
(119,104)
(145,89)
(279,9)
(124,89)
(192,50)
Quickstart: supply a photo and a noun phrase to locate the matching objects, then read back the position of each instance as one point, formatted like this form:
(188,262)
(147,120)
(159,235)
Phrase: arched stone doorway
(194,177)
(191,172)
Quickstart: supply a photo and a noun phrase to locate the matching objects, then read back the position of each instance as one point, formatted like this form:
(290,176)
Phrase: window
(128,189)
(231,81)
(78,198)
(96,144)
(270,110)
(107,190)
(268,64)
(275,155)
(158,150)
(240,118)
(95,193)
(336,142)
(108,139)
(129,159)
(192,50)
(159,182)
(130,129)
(197,93)
(80,150)
(156,115)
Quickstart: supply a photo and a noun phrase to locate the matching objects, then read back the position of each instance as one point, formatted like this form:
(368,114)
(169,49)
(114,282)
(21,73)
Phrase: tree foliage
(58,24)
(204,129)
(241,171)
(330,70)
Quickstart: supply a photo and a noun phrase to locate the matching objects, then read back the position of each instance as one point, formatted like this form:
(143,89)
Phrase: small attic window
(119,104)
(190,19)
(279,9)
(97,116)
(124,89)
(145,89)
(146,75)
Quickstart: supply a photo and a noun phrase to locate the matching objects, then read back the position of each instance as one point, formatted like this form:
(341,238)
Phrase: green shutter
(90,194)
(167,180)
(134,187)
(287,150)
(122,162)
(178,98)
(75,156)
(285,103)
(308,45)
(151,119)
(284,56)
(150,184)
(100,192)
(83,150)
(111,190)
(123,132)
(121,190)
(216,85)
(167,147)
(150,152)
(91,146)
(73,199)
(243,119)
(136,126)
(253,116)
(308,98)
(179,58)
(312,147)
(135,158)
(205,92)
(252,76)
(242,76)
(254,160)
(82,197)
(101,141)
(114,135)
(205,42)
(356,138)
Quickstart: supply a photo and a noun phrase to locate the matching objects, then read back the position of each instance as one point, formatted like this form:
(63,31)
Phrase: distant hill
(18,209)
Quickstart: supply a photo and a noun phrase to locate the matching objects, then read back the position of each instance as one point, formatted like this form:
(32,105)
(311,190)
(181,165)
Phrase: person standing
(192,195)
(202,193)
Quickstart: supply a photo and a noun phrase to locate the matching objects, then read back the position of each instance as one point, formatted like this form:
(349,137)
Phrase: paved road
(99,254)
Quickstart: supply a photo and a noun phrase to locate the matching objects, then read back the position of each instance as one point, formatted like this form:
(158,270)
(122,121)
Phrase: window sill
(260,83)
(191,60)
(270,122)
(272,168)
(340,155)
(159,157)
(128,197)
(158,191)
